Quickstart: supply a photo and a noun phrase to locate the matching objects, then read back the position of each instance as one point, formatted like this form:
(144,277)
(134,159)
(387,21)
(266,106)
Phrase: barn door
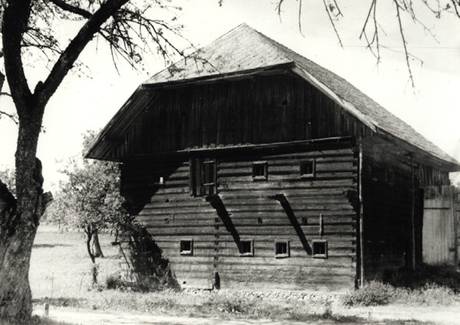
(439,226)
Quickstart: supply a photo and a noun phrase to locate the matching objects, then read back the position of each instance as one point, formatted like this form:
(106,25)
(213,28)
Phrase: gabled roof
(243,51)
(243,48)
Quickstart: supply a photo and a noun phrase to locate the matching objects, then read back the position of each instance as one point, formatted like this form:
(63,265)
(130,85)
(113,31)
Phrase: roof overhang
(451,166)
(145,94)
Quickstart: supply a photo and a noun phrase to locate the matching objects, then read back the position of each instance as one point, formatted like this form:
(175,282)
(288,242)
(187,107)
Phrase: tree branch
(10,116)
(332,23)
(75,47)
(72,9)
(403,37)
(15,19)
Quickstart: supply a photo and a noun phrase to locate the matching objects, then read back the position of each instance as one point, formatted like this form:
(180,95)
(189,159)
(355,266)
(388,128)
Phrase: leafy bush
(372,294)
(113,281)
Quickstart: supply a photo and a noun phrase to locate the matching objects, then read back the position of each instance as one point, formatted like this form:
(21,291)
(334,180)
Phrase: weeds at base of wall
(378,293)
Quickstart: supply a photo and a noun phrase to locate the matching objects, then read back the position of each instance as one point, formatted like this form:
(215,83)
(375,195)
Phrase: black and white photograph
(229,162)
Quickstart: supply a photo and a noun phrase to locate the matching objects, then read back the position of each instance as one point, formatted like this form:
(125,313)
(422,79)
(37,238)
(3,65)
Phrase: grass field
(60,266)
(60,275)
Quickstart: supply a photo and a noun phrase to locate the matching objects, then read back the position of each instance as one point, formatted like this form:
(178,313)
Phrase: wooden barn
(254,167)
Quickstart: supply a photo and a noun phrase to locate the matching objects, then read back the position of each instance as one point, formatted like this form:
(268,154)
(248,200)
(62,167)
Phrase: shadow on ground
(442,275)
(50,245)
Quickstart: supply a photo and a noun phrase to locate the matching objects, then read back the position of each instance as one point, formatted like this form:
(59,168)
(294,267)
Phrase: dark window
(281,249)
(260,170)
(246,248)
(319,248)
(186,247)
(307,168)
(203,177)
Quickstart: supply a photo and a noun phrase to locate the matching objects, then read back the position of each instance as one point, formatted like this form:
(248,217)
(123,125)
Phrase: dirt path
(445,315)
(436,315)
(88,317)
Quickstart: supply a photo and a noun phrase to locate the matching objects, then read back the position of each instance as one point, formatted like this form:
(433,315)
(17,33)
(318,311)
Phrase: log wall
(173,214)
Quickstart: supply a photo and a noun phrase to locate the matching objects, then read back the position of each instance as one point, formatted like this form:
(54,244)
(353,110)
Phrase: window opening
(319,248)
(260,170)
(186,247)
(246,248)
(307,168)
(281,249)
(203,177)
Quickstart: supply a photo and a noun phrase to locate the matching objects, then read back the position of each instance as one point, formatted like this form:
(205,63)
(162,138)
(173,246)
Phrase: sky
(89,97)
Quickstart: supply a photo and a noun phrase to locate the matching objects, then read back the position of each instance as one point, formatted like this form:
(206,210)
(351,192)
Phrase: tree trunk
(89,231)
(97,251)
(15,295)
(18,225)
(89,235)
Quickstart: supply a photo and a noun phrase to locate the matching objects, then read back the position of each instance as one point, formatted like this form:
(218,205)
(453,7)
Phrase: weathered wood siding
(387,243)
(393,184)
(173,214)
(440,225)
(257,110)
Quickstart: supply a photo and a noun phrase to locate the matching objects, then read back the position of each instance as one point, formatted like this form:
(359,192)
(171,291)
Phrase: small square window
(307,168)
(246,248)
(319,247)
(281,249)
(260,170)
(186,247)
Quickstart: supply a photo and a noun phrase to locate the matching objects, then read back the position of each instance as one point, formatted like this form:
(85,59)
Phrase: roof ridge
(194,53)
(244,48)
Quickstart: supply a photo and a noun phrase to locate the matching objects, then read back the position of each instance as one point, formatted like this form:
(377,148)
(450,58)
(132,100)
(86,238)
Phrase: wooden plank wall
(393,185)
(386,224)
(262,109)
(173,214)
(440,225)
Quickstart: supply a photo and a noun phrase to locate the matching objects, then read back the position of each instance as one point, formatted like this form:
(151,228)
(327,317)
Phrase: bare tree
(405,11)
(129,29)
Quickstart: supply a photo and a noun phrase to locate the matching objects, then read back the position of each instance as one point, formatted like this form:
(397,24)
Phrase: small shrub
(430,294)
(372,294)
(113,281)
(327,312)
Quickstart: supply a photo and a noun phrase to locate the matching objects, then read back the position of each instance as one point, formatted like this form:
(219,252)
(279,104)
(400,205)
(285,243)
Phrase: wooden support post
(321,227)
(412,216)
(454,208)
(360,248)
(281,198)
(216,203)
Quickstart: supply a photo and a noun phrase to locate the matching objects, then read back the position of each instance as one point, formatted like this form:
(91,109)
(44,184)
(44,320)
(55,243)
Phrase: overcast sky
(88,100)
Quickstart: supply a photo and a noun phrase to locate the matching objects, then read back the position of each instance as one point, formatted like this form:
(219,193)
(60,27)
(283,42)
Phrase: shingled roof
(245,49)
